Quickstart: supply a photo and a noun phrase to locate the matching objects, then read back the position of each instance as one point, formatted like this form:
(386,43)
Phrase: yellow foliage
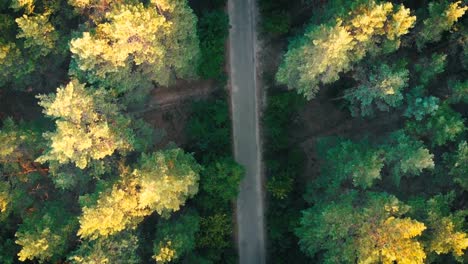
(454,12)
(166,253)
(400,24)
(156,186)
(446,239)
(38,32)
(28,5)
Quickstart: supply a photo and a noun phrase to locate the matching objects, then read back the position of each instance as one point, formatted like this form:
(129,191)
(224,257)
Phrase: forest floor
(169,108)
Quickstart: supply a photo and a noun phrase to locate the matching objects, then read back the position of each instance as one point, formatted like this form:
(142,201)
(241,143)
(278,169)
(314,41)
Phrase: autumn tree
(334,47)
(89,126)
(442,16)
(157,43)
(175,237)
(371,228)
(445,233)
(161,182)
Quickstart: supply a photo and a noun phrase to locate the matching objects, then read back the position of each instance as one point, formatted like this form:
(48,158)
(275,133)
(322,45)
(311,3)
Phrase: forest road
(245,122)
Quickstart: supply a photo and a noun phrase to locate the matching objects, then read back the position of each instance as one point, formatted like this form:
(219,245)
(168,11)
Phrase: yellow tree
(161,183)
(365,229)
(89,126)
(156,44)
(334,47)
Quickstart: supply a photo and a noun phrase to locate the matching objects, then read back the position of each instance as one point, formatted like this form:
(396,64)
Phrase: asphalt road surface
(245,121)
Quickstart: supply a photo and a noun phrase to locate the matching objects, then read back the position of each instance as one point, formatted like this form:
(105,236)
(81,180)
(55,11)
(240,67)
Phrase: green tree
(368,229)
(176,237)
(161,182)
(459,91)
(219,184)
(120,248)
(407,157)
(428,69)
(334,47)
(215,231)
(445,125)
(45,235)
(89,126)
(458,165)
(358,162)
(381,88)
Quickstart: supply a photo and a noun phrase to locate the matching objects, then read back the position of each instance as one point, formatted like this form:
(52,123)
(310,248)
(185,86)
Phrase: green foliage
(428,69)
(121,248)
(459,91)
(368,229)
(358,162)
(209,129)
(276,19)
(176,237)
(334,47)
(458,165)
(45,234)
(161,183)
(212,31)
(89,126)
(219,184)
(444,126)
(380,88)
(215,231)
(442,16)
(407,157)
(421,107)
(279,186)
(38,32)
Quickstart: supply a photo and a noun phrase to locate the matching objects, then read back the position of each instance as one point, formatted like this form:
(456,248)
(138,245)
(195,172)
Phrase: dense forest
(367,158)
(83,177)
(365,140)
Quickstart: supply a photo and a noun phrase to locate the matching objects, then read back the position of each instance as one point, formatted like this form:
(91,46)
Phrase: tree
(358,162)
(445,232)
(176,237)
(428,69)
(445,125)
(39,34)
(367,229)
(27,5)
(458,165)
(89,126)
(219,184)
(161,183)
(215,231)
(45,235)
(332,48)
(156,44)
(407,157)
(381,88)
(120,248)
(459,91)
(436,24)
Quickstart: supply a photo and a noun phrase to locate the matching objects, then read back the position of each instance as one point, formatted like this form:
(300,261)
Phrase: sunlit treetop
(158,41)
(332,48)
(27,5)
(368,229)
(39,34)
(89,126)
(161,183)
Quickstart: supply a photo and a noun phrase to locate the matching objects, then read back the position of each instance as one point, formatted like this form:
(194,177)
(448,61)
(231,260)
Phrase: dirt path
(245,122)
